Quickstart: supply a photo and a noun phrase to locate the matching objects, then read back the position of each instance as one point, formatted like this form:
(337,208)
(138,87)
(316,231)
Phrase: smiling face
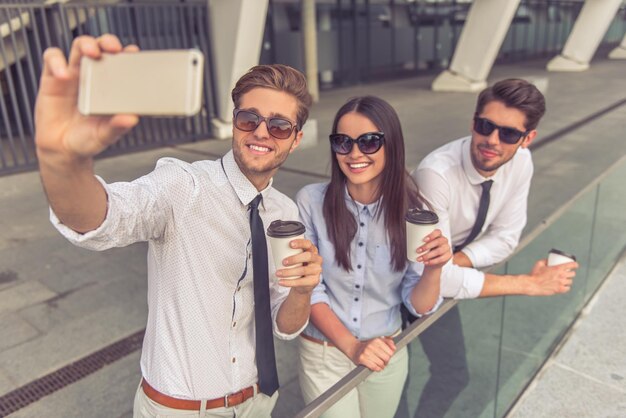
(488,152)
(257,153)
(362,171)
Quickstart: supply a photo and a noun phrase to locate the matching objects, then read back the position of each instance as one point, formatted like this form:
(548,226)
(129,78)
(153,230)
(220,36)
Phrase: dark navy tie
(265,357)
(483,207)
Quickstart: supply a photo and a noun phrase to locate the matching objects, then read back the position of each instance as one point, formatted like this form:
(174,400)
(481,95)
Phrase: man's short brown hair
(518,94)
(278,77)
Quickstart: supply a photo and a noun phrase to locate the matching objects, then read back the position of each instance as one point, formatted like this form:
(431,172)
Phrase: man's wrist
(527,284)
(301,292)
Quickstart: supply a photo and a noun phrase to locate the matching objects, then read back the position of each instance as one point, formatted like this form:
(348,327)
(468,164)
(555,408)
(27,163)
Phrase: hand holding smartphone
(149,83)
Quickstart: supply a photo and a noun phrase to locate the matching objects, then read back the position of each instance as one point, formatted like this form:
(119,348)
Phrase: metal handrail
(351,380)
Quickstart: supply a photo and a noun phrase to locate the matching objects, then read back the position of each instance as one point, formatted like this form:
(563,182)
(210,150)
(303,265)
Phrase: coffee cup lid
(559,252)
(281,229)
(421,216)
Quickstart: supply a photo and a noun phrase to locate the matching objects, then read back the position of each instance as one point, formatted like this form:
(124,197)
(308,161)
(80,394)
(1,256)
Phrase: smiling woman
(357,222)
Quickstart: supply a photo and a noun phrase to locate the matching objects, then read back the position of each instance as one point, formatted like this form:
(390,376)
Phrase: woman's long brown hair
(397,191)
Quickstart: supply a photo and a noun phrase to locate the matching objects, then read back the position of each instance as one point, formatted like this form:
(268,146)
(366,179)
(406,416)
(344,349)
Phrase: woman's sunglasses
(507,135)
(368,143)
(248,121)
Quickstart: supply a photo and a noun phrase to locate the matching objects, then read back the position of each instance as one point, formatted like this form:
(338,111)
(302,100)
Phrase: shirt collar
(474,177)
(371,208)
(244,189)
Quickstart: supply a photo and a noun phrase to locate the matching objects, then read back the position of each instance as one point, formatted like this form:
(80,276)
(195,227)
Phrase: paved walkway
(59,304)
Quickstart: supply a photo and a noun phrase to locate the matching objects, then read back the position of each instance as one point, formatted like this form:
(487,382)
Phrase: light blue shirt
(366,299)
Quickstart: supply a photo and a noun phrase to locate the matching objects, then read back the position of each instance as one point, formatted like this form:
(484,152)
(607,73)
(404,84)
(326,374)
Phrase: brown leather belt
(227,401)
(329,344)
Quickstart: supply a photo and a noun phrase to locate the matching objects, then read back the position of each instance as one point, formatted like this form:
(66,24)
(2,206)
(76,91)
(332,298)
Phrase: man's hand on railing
(373,354)
(549,280)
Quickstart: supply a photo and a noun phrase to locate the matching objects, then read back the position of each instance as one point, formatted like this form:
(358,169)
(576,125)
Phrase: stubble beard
(487,168)
(253,170)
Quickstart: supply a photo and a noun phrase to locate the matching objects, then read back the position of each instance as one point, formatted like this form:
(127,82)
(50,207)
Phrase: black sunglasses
(248,121)
(507,135)
(368,143)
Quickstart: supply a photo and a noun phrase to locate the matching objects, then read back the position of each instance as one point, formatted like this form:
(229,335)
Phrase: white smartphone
(150,83)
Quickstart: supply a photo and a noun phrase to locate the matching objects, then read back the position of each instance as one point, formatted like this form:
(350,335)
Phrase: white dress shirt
(200,336)
(449,181)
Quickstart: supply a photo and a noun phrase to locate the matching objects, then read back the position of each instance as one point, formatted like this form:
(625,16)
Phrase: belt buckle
(226,405)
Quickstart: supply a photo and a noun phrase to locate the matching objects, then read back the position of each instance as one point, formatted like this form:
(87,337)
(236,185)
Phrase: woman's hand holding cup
(436,250)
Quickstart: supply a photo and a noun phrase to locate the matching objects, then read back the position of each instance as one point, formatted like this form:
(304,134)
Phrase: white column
(325,24)
(309,36)
(619,53)
(590,27)
(237,28)
(483,33)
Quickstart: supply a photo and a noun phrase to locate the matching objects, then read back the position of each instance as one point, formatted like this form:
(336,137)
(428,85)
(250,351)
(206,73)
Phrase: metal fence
(27,29)
(366,40)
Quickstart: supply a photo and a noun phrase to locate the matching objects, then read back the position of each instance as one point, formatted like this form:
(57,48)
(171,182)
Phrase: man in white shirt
(479,185)
(212,305)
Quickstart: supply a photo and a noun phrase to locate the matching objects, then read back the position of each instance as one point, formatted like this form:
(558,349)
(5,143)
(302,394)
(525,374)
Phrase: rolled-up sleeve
(136,211)
(461,282)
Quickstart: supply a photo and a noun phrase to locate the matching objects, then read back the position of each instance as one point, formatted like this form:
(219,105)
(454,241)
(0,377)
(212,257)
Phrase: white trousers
(321,366)
(259,406)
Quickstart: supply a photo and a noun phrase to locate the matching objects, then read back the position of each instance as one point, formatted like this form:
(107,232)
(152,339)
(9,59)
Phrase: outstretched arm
(67,141)
(542,281)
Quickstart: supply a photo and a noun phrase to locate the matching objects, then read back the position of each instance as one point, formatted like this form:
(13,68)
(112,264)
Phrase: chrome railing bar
(360,373)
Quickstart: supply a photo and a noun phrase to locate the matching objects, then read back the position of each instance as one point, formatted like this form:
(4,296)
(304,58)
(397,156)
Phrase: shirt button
(362,224)
(234,359)
(238,288)
(234,324)
(358,266)
(357,286)
(360,244)
(354,319)
(356,299)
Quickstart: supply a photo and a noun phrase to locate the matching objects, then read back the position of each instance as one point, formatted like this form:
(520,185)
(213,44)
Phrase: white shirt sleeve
(456,282)
(503,234)
(136,211)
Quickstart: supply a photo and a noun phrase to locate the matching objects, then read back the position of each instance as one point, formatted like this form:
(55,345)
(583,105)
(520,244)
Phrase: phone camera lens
(194,62)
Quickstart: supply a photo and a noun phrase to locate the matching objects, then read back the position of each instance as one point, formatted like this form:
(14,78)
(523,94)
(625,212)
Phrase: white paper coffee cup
(280,234)
(556,257)
(419,223)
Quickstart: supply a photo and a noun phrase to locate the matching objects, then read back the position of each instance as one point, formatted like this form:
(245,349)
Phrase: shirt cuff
(283,336)
(78,238)
(461,282)
(411,309)
(478,254)
(320,297)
